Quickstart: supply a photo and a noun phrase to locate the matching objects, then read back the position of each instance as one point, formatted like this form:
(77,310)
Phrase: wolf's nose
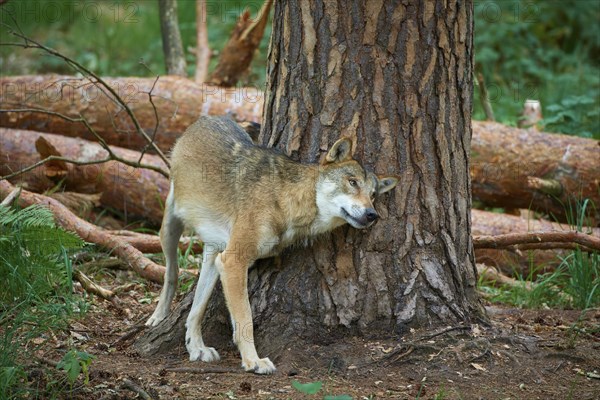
(371,215)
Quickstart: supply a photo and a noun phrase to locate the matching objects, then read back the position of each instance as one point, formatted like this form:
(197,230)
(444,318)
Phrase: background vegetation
(530,49)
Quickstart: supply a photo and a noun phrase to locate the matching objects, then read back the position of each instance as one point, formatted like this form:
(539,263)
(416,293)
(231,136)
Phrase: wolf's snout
(371,214)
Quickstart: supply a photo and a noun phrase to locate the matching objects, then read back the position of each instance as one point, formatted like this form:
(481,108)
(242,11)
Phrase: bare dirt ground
(524,354)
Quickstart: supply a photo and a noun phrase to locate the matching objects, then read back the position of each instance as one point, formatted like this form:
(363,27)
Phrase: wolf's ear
(340,151)
(386,183)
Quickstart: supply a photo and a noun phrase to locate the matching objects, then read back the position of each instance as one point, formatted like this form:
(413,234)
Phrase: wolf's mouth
(357,223)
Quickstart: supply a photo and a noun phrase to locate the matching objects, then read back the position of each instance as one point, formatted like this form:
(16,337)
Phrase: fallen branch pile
(90,233)
(511,167)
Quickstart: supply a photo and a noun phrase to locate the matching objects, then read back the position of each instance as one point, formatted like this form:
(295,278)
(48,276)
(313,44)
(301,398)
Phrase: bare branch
(533,238)
(91,233)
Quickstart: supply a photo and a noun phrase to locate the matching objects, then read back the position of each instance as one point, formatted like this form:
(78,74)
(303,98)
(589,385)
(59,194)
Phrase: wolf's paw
(206,354)
(156,318)
(263,366)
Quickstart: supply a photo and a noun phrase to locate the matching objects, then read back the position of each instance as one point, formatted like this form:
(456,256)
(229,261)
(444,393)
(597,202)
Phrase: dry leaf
(478,367)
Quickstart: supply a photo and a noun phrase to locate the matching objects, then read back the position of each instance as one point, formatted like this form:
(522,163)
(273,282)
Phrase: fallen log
(510,167)
(90,233)
(178,102)
(133,191)
(587,242)
(517,168)
(485,223)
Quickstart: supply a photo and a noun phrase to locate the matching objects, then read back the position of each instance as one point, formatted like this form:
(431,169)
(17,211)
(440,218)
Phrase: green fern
(32,216)
(36,294)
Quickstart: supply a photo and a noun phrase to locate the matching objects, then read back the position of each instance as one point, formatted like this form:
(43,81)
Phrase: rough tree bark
(397,79)
(171,38)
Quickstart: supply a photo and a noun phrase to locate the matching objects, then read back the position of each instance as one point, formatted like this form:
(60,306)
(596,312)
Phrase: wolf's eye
(353,182)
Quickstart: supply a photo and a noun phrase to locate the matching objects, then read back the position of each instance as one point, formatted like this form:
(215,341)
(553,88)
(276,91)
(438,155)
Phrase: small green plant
(307,388)
(315,387)
(581,278)
(74,363)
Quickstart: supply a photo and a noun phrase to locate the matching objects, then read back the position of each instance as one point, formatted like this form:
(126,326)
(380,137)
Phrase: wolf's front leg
(234,277)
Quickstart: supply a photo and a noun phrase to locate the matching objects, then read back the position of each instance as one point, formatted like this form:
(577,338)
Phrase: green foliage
(307,388)
(31,247)
(533,291)
(74,363)
(580,278)
(36,296)
(543,50)
(315,387)
(120,37)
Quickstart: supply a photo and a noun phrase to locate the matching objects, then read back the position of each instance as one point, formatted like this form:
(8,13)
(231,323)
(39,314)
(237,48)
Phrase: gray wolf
(245,203)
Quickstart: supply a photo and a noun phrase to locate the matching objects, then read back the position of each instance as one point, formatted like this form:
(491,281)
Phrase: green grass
(36,296)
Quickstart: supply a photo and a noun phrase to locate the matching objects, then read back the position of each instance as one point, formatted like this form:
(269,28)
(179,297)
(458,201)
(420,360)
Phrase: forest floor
(523,354)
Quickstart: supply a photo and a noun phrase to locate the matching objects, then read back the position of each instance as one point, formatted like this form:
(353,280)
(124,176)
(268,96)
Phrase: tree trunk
(179,102)
(396,79)
(548,173)
(202,48)
(171,38)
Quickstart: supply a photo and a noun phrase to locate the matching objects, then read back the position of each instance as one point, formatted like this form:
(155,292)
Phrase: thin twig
(130,385)
(443,331)
(193,370)
(91,286)
(47,361)
(531,238)
(11,197)
(128,335)
(157,121)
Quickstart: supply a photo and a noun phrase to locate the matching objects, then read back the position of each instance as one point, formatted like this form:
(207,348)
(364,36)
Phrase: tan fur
(247,203)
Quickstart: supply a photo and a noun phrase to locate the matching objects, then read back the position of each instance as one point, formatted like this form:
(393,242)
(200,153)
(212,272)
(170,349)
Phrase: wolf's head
(346,190)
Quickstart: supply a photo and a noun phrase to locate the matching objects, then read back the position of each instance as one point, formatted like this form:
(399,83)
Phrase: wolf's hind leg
(193,335)
(170,232)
